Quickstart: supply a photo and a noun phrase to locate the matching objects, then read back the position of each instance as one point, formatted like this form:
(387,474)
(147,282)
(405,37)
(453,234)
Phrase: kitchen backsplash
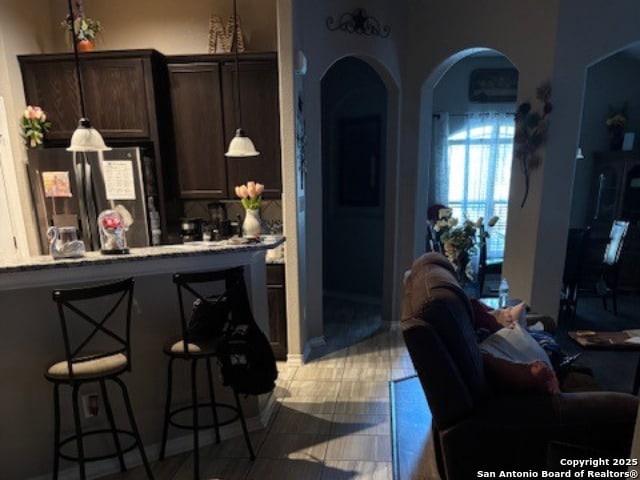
(270,212)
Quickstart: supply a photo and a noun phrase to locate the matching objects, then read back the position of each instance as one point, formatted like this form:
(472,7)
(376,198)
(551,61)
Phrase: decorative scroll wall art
(358,22)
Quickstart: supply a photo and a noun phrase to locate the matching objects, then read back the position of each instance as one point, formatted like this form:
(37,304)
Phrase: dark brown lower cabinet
(277,310)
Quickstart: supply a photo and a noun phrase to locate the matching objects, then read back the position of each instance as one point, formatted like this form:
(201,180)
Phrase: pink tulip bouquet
(250,195)
(34,125)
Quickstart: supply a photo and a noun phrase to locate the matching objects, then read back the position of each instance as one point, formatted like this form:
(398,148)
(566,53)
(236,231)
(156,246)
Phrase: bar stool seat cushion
(98,367)
(204,348)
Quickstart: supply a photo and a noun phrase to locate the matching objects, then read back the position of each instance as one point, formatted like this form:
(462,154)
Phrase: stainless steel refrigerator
(71,189)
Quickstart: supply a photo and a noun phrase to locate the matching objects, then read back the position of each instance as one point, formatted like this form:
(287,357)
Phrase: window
(477,150)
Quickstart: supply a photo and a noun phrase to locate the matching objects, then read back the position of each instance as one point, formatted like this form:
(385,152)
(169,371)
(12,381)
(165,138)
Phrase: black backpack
(208,318)
(246,360)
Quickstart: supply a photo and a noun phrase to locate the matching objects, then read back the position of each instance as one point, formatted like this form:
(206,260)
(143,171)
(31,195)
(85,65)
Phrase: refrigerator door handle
(86,205)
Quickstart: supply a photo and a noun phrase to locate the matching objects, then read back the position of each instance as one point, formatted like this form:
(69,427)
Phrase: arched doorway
(472,115)
(354,124)
(607,179)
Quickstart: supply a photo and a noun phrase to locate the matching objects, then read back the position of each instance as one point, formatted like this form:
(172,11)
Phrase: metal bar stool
(193,347)
(96,325)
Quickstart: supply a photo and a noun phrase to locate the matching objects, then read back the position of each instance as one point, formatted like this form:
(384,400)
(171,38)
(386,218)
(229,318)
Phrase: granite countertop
(46,262)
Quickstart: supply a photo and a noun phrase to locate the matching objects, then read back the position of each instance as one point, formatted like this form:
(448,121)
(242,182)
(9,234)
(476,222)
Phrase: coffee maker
(191,229)
(219,223)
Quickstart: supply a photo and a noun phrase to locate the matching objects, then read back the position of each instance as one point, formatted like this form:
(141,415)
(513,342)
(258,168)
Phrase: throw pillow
(507,376)
(511,315)
(482,317)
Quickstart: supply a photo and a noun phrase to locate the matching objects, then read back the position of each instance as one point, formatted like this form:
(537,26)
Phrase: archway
(607,175)
(354,156)
(469,105)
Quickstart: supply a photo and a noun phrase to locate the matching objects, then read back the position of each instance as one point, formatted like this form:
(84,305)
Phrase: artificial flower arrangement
(459,241)
(616,122)
(34,126)
(483,233)
(250,195)
(85,27)
(531,133)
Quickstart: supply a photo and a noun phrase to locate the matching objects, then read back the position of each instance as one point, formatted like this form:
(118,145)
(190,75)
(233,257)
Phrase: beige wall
(525,33)
(22,29)
(169,26)
(322,48)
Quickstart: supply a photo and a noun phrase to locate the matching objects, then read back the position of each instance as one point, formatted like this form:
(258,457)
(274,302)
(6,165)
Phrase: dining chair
(577,242)
(608,284)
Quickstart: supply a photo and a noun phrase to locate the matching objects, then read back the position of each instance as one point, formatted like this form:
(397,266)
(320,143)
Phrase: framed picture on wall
(360,161)
(493,85)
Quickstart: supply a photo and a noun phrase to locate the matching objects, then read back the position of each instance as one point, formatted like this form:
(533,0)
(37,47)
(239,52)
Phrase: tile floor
(332,420)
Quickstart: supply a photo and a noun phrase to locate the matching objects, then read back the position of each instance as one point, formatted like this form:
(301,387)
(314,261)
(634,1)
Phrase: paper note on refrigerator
(56,184)
(118,179)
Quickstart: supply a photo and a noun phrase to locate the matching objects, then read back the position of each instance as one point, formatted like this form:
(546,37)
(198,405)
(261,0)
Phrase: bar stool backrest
(200,285)
(95,321)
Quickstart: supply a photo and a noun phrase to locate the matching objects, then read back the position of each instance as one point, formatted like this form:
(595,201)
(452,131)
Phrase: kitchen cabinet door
(116,96)
(198,130)
(276,300)
(53,86)
(260,120)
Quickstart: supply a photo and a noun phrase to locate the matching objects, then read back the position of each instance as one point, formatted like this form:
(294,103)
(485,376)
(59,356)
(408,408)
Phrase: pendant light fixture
(85,138)
(240,145)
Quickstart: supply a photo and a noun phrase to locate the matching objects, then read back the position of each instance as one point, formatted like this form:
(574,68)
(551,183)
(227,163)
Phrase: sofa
(478,427)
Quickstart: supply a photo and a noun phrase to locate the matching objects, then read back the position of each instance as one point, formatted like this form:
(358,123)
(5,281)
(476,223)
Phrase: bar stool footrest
(184,426)
(94,458)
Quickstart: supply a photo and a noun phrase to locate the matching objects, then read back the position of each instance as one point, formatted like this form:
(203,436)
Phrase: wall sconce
(579,155)
(241,145)
(85,138)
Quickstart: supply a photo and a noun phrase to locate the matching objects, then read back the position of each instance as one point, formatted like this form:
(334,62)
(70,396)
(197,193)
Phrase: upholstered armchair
(476,426)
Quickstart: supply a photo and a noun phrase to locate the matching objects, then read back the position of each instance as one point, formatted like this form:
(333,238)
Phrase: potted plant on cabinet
(86,29)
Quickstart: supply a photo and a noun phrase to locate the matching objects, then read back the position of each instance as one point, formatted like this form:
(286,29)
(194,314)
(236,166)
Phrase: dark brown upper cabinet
(196,100)
(119,102)
(260,120)
(119,91)
(203,97)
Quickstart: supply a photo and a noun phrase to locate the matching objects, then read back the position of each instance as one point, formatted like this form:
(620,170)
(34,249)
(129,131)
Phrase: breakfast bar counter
(31,340)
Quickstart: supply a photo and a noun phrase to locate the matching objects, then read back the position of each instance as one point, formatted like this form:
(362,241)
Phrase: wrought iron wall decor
(358,22)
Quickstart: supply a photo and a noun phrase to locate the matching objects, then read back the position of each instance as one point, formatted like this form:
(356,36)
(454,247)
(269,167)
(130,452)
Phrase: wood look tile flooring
(332,418)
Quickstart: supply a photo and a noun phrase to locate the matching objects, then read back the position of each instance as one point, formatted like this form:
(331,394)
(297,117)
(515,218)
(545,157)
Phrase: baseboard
(310,345)
(295,359)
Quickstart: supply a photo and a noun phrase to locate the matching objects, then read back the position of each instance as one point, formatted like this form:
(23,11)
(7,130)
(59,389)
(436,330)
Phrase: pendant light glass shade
(85,138)
(241,146)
